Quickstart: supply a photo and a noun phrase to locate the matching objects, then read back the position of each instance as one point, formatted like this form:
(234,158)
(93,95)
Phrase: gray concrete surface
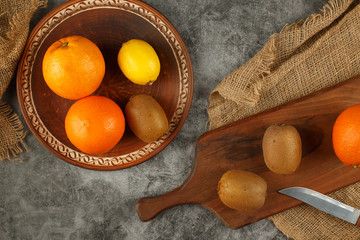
(47,198)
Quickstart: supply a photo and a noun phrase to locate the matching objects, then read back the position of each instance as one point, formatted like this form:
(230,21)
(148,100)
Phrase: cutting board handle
(147,208)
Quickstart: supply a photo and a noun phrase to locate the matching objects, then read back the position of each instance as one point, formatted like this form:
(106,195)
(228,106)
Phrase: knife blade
(324,203)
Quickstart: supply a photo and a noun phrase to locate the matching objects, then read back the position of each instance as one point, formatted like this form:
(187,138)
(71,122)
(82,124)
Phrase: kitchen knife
(324,203)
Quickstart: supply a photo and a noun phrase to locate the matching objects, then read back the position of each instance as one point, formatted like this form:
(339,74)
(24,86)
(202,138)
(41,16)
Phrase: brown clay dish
(108,24)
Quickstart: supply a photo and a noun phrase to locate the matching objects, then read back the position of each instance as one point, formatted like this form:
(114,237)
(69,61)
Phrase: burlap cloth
(15,16)
(304,57)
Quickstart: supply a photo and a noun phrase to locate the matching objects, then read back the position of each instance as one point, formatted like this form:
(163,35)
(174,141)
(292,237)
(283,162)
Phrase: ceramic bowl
(108,24)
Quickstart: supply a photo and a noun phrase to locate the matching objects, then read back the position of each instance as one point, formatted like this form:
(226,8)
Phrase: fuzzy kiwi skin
(146,118)
(282,148)
(242,190)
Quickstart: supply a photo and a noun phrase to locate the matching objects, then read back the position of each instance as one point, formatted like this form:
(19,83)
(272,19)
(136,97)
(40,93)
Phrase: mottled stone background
(47,198)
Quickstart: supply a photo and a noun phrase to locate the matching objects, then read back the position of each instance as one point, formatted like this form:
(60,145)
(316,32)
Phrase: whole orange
(346,136)
(73,67)
(95,124)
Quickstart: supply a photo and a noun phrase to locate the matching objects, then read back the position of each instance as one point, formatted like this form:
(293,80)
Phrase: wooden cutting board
(238,146)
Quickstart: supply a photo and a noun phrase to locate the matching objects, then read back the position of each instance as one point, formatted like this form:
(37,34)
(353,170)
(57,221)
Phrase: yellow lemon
(139,62)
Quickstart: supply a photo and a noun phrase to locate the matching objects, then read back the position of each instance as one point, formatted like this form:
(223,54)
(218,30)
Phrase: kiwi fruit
(282,148)
(146,118)
(242,190)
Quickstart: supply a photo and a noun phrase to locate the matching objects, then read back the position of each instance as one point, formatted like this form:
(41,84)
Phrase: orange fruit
(94,124)
(346,136)
(73,67)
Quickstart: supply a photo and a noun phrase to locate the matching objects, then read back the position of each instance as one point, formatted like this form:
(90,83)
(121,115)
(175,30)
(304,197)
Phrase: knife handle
(358,222)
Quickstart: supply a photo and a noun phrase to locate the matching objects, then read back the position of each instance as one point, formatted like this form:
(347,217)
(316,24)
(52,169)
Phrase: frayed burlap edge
(11,45)
(15,146)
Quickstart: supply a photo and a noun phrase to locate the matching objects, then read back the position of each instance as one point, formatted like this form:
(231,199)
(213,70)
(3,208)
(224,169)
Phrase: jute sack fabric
(304,57)
(15,17)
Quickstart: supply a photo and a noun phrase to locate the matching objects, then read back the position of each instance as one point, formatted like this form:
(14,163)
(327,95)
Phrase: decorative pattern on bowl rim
(27,97)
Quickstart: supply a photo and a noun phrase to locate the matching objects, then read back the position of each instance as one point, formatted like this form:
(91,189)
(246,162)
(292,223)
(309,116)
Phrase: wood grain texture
(108,24)
(238,146)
